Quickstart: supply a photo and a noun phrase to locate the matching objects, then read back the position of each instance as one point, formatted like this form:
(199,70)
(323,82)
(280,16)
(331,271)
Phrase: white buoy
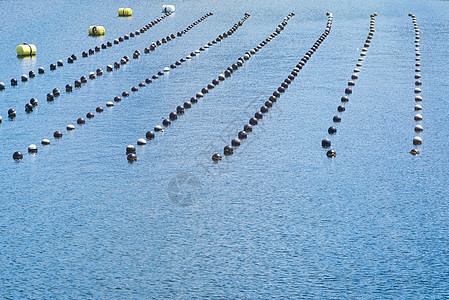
(418,107)
(70,127)
(109,103)
(141,142)
(418,117)
(45,142)
(168,8)
(32,148)
(419,128)
(417,140)
(166,69)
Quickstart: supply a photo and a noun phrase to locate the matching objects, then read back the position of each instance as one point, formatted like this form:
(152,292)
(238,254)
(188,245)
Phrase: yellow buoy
(125,12)
(26,50)
(96,30)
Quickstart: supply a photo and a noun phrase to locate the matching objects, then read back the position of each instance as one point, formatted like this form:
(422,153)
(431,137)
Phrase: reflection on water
(28,63)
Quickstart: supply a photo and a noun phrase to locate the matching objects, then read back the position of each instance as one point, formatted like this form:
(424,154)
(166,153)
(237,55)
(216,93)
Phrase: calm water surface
(276,219)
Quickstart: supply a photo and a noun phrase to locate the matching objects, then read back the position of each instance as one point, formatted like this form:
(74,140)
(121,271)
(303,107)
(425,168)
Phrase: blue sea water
(276,219)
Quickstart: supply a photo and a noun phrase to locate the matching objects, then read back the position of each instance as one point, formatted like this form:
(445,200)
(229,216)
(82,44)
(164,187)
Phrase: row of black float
(131,149)
(99,72)
(326,143)
(80,121)
(417,140)
(187,57)
(73,57)
(248,128)
(125,59)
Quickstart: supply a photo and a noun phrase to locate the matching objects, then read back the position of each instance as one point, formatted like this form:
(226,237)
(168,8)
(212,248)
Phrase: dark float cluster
(182,60)
(71,59)
(188,57)
(81,120)
(125,59)
(130,149)
(248,128)
(78,83)
(92,75)
(228,72)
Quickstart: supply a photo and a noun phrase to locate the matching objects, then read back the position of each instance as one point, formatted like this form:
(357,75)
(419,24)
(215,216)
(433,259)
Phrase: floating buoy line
(125,12)
(99,109)
(417,140)
(22,49)
(326,143)
(190,56)
(126,59)
(99,72)
(248,128)
(180,110)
